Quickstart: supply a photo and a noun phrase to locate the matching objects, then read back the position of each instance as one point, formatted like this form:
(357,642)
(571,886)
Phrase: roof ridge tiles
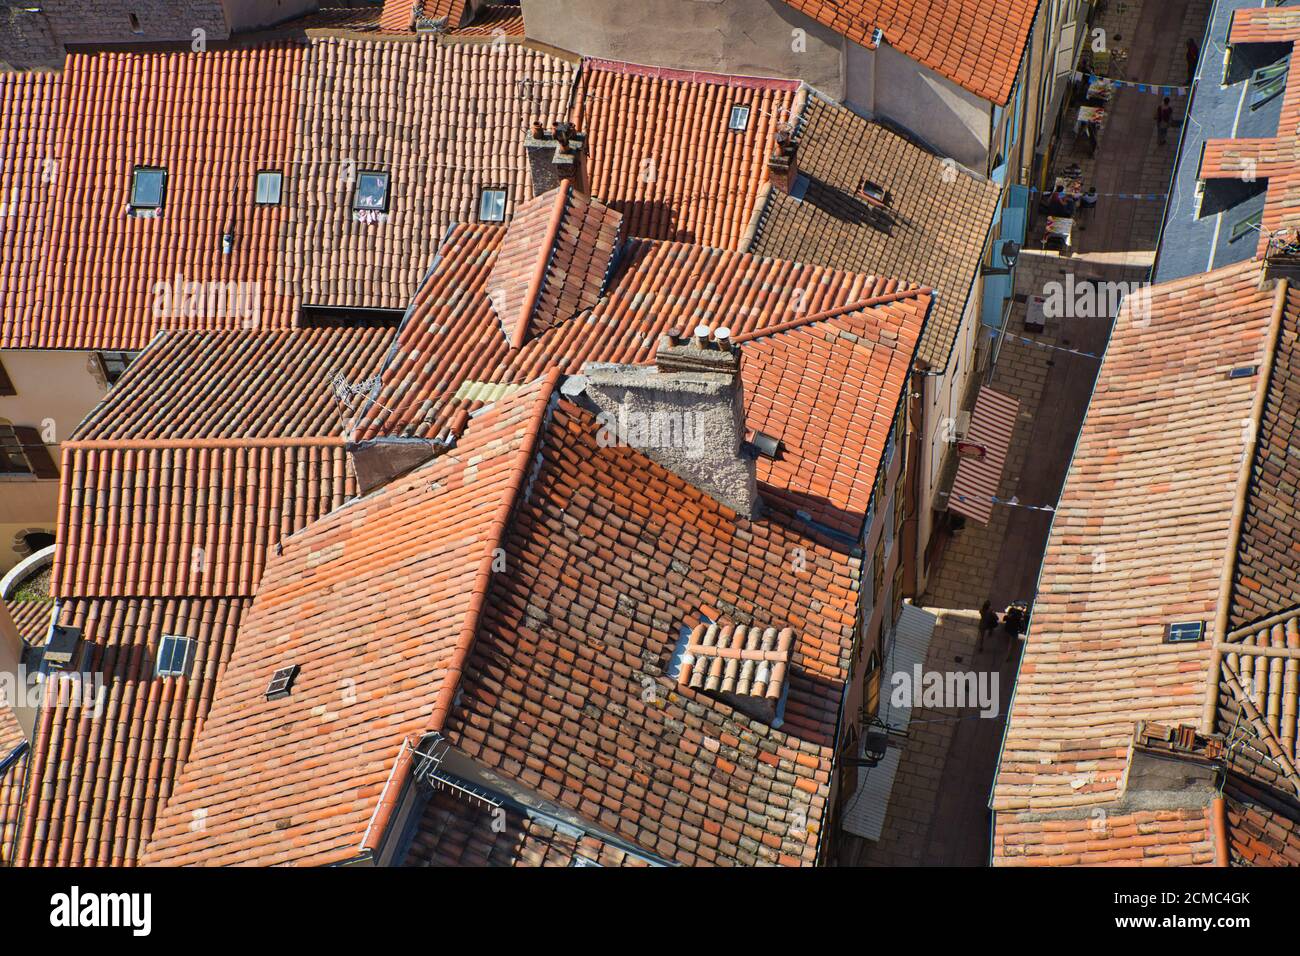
(914,292)
(741,80)
(543,264)
(455,667)
(289,441)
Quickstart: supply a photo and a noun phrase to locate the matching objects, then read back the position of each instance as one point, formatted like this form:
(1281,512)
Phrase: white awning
(864,814)
(980,474)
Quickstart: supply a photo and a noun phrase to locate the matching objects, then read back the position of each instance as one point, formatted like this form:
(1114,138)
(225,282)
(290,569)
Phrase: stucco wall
(748,37)
(109,21)
(943,395)
(247,14)
(884,82)
(54,388)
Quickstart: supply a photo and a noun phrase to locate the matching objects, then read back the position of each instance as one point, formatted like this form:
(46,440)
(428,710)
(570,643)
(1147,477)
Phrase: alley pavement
(938,814)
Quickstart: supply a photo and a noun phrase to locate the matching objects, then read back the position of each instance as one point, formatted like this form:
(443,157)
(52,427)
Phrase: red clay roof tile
(378,622)
(659,149)
(976,44)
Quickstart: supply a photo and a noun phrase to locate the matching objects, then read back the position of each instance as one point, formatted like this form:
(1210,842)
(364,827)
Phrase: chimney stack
(783,164)
(687,413)
(554,156)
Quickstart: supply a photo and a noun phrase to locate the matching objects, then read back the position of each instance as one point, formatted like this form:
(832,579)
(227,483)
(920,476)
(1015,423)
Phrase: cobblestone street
(938,812)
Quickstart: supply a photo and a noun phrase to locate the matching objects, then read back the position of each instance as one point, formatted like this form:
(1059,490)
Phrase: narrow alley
(938,812)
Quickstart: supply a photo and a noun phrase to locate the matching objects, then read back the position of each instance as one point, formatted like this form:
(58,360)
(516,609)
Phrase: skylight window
(739,121)
(371,192)
(1184,632)
(492,206)
(267,192)
(281,682)
(148,187)
(1246,226)
(174,655)
(1268,81)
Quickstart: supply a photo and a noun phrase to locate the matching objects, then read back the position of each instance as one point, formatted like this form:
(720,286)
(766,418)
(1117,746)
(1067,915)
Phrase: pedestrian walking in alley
(1164,117)
(1193,55)
(1087,203)
(988,624)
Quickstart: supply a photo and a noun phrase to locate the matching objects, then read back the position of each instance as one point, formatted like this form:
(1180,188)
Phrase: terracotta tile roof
(32,618)
(553,262)
(1140,540)
(195,520)
(445,120)
(829,389)
(493,21)
(96,781)
(1178,837)
(1267,579)
(933,229)
(29,109)
(211,121)
(453,832)
(976,44)
(1263,827)
(167,531)
(569,691)
(385,595)
(636,769)
(318,107)
(191,386)
(660,151)
(1258,701)
(11,787)
(1095,662)
(821,348)
(1275,160)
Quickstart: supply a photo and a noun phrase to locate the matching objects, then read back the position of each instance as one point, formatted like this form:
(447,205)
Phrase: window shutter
(6,384)
(38,456)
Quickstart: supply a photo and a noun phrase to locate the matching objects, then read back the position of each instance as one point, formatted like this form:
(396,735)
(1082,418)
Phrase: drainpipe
(1219,821)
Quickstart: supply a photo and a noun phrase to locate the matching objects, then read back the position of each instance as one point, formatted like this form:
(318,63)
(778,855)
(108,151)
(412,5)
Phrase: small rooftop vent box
(61,649)
(873,193)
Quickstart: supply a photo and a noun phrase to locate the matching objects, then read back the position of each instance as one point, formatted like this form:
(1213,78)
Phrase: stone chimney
(687,413)
(556,155)
(783,164)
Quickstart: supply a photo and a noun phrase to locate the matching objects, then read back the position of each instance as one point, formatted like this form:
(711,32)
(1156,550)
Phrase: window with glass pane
(739,120)
(372,192)
(12,459)
(492,206)
(1268,81)
(173,655)
(268,188)
(114,364)
(147,186)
